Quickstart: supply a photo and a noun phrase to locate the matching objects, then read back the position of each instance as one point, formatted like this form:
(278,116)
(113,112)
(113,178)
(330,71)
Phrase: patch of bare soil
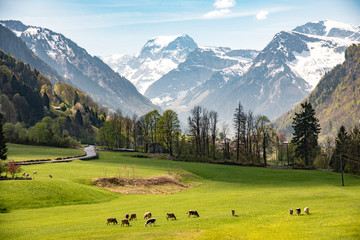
(165,184)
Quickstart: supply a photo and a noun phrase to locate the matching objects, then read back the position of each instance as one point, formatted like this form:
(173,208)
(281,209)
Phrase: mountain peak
(330,28)
(158,44)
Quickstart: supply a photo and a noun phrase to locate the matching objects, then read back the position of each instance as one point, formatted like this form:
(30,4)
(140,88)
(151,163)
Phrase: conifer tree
(307,129)
(341,145)
(46,100)
(3,148)
(78,118)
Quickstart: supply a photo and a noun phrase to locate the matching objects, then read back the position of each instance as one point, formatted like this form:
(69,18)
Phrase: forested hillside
(39,113)
(336,98)
(10,43)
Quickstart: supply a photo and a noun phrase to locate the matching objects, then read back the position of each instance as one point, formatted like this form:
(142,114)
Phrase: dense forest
(35,112)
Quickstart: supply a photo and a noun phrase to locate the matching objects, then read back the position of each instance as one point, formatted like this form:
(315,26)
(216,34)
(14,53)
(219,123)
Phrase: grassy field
(18,152)
(67,206)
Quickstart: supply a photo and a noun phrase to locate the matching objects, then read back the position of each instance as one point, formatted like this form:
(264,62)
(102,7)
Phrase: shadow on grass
(4,210)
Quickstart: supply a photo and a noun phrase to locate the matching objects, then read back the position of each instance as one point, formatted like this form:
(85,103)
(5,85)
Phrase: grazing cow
(291,211)
(127,216)
(35,172)
(298,211)
(147,215)
(232,212)
(193,212)
(150,221)
(306,210)
(125,222)
(111,220)
(133,216)
(50,176)
(171,216)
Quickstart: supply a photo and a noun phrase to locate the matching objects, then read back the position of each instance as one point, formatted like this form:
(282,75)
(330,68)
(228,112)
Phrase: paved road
(89,150)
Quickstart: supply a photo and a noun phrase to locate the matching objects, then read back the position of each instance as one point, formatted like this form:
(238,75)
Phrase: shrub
(13,168)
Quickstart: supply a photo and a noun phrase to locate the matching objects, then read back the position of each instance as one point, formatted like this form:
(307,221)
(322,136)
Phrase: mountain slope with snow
(285,71)
(158,56)
(199,66)
(86,72)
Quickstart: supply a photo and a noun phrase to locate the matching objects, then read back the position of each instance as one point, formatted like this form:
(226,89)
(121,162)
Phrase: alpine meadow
(214,119)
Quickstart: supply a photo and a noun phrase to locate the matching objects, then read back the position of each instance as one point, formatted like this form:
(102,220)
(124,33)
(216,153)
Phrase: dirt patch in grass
(165,184)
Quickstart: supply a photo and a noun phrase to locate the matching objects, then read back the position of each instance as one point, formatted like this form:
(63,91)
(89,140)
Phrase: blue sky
(123,26)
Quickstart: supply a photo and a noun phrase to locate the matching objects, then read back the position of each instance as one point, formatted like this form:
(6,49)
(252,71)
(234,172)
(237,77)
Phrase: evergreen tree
(3,148)
(341,144)
(307,129)
(78,118)
(46,100)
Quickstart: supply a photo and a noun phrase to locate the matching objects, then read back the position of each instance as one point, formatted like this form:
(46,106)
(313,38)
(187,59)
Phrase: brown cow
(111,220)
(150,221)
(133,216)
(127,216)
(291,211)
(147,215)
(193,212)
(171,216)
(125,222)
(232,212)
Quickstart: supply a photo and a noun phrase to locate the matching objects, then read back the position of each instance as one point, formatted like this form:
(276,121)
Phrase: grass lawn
(19,152)
(67,206)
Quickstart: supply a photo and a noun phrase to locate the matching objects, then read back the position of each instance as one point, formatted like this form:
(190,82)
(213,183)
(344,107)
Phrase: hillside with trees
(336,98)
(37,112)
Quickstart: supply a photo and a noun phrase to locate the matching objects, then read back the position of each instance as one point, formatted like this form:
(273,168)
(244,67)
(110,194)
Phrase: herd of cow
(150,221)
(298,211)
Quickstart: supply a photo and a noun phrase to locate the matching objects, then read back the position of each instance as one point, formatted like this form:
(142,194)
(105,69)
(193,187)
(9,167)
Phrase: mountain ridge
(88,73)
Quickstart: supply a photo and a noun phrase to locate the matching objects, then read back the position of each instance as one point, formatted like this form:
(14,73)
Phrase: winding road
(89,150)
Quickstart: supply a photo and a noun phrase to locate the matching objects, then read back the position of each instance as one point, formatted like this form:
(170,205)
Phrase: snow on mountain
(193,80)
(86,72)
(158,56)
(326,52)
(320,57)
(329,28)
(286,70)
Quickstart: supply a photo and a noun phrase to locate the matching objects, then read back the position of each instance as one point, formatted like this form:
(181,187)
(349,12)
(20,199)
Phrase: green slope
(336,98)
(67,207)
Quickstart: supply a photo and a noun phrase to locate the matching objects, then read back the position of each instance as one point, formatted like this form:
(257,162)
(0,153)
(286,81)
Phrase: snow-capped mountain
(86,72)
(285,71)
(189,76)
(158,56)
(12,44)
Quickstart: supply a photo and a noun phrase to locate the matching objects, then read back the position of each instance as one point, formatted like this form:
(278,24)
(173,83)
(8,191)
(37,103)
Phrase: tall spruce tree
(240,127)
(341,144)
(3,148)
(307,129)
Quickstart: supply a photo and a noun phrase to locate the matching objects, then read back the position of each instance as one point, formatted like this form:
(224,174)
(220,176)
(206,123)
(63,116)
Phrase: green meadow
(68,206)
(19,152)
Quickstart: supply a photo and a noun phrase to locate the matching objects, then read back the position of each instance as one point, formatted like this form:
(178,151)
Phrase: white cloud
(262,15)
(224,3)
(217,13)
